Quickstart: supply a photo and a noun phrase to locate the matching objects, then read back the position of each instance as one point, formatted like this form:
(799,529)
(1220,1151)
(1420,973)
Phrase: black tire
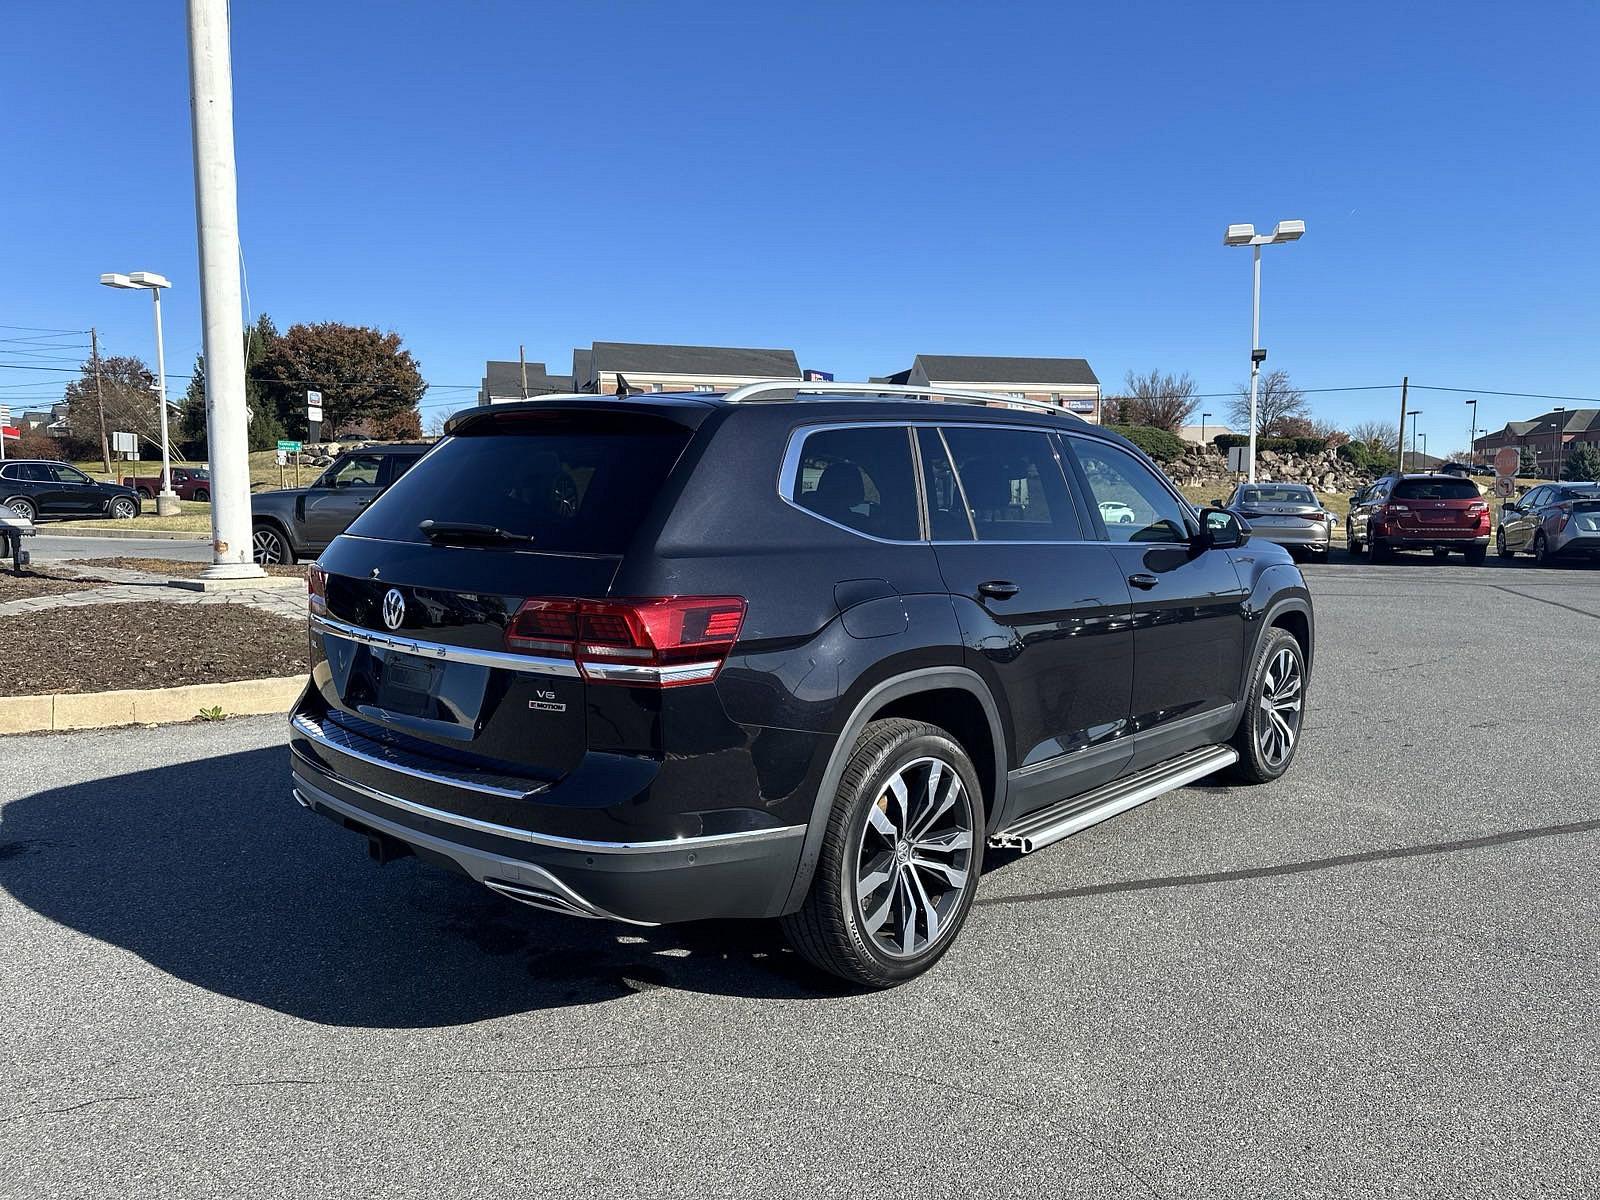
(1380,551)
(144,493)
(1354,544)
(1541,550)
(1476,555)
(1441,552)
(1500,546)
(269,546)
(202,496)
(1256,764)
(832,929)
(123,508)
(24,508)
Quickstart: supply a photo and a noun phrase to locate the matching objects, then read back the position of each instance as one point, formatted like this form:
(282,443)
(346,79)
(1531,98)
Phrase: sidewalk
(128,587)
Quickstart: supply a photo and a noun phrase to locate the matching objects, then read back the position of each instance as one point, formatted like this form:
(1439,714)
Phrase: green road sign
(292,447)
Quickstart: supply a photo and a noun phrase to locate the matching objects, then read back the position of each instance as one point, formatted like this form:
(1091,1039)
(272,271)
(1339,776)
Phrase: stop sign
(1506,460)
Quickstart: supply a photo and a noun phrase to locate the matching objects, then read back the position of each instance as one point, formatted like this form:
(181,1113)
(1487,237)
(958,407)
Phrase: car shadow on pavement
(209,871)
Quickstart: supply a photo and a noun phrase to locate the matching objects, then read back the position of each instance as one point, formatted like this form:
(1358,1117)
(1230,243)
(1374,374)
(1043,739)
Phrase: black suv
(42,488)
(297,523)
(673,657)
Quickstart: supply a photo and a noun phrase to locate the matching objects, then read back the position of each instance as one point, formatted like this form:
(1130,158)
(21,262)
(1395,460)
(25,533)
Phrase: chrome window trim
(503,659)
(790,467)
(551,840)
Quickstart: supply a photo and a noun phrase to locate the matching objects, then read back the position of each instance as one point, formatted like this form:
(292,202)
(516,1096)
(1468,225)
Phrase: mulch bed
(105,647)
(175,569)
(33,583)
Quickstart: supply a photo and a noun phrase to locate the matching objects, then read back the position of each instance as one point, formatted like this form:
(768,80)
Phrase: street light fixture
(1424,452)
(1246,235)
(1472,441)
(166,500)
(1203,418)
(1412,413)
(1555,445)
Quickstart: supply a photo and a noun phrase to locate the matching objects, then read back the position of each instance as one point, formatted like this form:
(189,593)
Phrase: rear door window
(1448,488)
(860,478)
(1012,484)
(571,482)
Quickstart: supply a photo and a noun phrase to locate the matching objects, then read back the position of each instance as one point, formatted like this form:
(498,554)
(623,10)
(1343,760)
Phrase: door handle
(1142,580)
(998,589)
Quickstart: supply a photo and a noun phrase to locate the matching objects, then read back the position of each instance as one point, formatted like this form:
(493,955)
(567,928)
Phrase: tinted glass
(399,464)
(861,479)
(947,513)
(1134,505)
(1277,493)
(1580,493)
(1436,489)
(359,470)
(66,474)
(1013,485)
(576,484)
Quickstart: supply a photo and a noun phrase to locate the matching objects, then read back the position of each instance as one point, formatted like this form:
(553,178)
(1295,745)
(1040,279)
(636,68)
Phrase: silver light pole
(1413,413)
(1472,441)
(166,499)
(1246,235)
(217,219)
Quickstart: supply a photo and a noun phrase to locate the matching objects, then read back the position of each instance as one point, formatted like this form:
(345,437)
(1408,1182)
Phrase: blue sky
(861,182)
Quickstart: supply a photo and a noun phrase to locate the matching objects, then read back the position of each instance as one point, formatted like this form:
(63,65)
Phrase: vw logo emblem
(394,608)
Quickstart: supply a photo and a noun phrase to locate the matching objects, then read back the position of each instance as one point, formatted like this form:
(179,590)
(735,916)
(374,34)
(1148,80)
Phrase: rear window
(579,485)
(1277,495)
(1436,489)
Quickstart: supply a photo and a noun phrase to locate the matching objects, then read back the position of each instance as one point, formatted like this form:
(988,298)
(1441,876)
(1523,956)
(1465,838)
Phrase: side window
(35,473)
(358,471)
(398,465)
(1013,484)
(947,511)
(1134,505)
(66,474)
(1533,499)
(859,478)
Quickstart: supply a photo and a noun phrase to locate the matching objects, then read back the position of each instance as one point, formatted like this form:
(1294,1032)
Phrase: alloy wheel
(267,547)
(123,509)
(914,862)
(1281,691)
(24,509)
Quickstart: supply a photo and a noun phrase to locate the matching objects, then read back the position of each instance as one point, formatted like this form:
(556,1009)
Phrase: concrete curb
(147,706)
(60,529)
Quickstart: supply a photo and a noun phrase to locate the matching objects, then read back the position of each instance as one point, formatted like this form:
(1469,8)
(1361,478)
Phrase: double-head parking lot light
(1246,235)
(166,499)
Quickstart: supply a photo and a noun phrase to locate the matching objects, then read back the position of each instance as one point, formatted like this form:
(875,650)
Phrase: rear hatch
(418,612)
(1442,505)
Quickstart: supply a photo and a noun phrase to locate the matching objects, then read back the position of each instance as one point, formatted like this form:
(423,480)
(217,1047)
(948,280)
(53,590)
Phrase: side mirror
(1218,504)
(1221,530)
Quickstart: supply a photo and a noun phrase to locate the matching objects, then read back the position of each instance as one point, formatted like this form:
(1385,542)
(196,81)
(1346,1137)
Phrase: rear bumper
(1586,545)
(1309,537)
(1419,539)
(647,883)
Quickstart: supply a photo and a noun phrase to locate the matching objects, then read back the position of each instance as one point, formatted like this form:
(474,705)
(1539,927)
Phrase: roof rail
(785,389)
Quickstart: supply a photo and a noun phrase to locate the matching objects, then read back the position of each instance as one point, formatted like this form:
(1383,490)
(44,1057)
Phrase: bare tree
(1278,402)
(1164,401)
(1375,435)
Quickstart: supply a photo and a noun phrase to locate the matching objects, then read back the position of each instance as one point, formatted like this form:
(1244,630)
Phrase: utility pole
(99,398)
(217,221)
(522,358)
(1400,426)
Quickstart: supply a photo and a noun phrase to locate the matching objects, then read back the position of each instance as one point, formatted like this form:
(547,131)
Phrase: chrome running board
(1074,815)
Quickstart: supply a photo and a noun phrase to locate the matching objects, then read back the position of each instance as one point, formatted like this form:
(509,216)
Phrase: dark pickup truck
(297,523)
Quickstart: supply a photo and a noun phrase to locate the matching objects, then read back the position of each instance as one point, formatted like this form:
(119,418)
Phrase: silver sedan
(1287,513)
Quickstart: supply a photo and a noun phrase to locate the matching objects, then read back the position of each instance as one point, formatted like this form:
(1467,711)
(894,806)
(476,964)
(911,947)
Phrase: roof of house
(977,368)
(582,366)
(645,359)
(504,379)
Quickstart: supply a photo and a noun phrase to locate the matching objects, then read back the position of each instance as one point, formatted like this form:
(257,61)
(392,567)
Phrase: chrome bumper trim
(314,730)
(524,882)
(505,660)
(549,840)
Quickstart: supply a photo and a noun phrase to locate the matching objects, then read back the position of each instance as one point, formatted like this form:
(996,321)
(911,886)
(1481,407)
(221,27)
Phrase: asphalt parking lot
(1375,977)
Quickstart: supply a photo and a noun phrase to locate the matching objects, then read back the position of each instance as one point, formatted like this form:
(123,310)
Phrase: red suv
(1419,512)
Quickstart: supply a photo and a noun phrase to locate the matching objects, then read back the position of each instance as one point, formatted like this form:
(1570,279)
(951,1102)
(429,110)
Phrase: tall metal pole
(1472,437)
(99,398)
(166,501)
(217,220)
(1255,359)
(1555,444)
(1413,414)
(1400,427)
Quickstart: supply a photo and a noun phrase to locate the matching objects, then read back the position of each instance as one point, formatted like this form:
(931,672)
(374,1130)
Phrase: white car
(1115,512)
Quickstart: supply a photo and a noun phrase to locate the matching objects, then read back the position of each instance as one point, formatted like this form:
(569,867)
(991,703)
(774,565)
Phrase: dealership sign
(1081,406)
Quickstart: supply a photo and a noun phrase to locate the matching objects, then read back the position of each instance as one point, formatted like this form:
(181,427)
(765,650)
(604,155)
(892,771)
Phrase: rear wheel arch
(936,695)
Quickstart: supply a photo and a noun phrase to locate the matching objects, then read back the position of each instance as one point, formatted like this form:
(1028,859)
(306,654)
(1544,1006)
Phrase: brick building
(1551,437)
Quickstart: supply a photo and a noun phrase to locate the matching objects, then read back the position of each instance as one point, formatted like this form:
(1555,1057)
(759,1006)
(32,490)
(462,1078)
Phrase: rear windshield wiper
(468,531)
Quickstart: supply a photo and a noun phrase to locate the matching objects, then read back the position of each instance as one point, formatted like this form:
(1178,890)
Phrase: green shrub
(1157,443)
(1583,462)
(1279,445)
(1363,457)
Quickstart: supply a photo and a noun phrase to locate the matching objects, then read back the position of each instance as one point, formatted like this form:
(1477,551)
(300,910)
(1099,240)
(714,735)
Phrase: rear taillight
(663,641)
(1396,508)
(316,589)
(1565,511)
